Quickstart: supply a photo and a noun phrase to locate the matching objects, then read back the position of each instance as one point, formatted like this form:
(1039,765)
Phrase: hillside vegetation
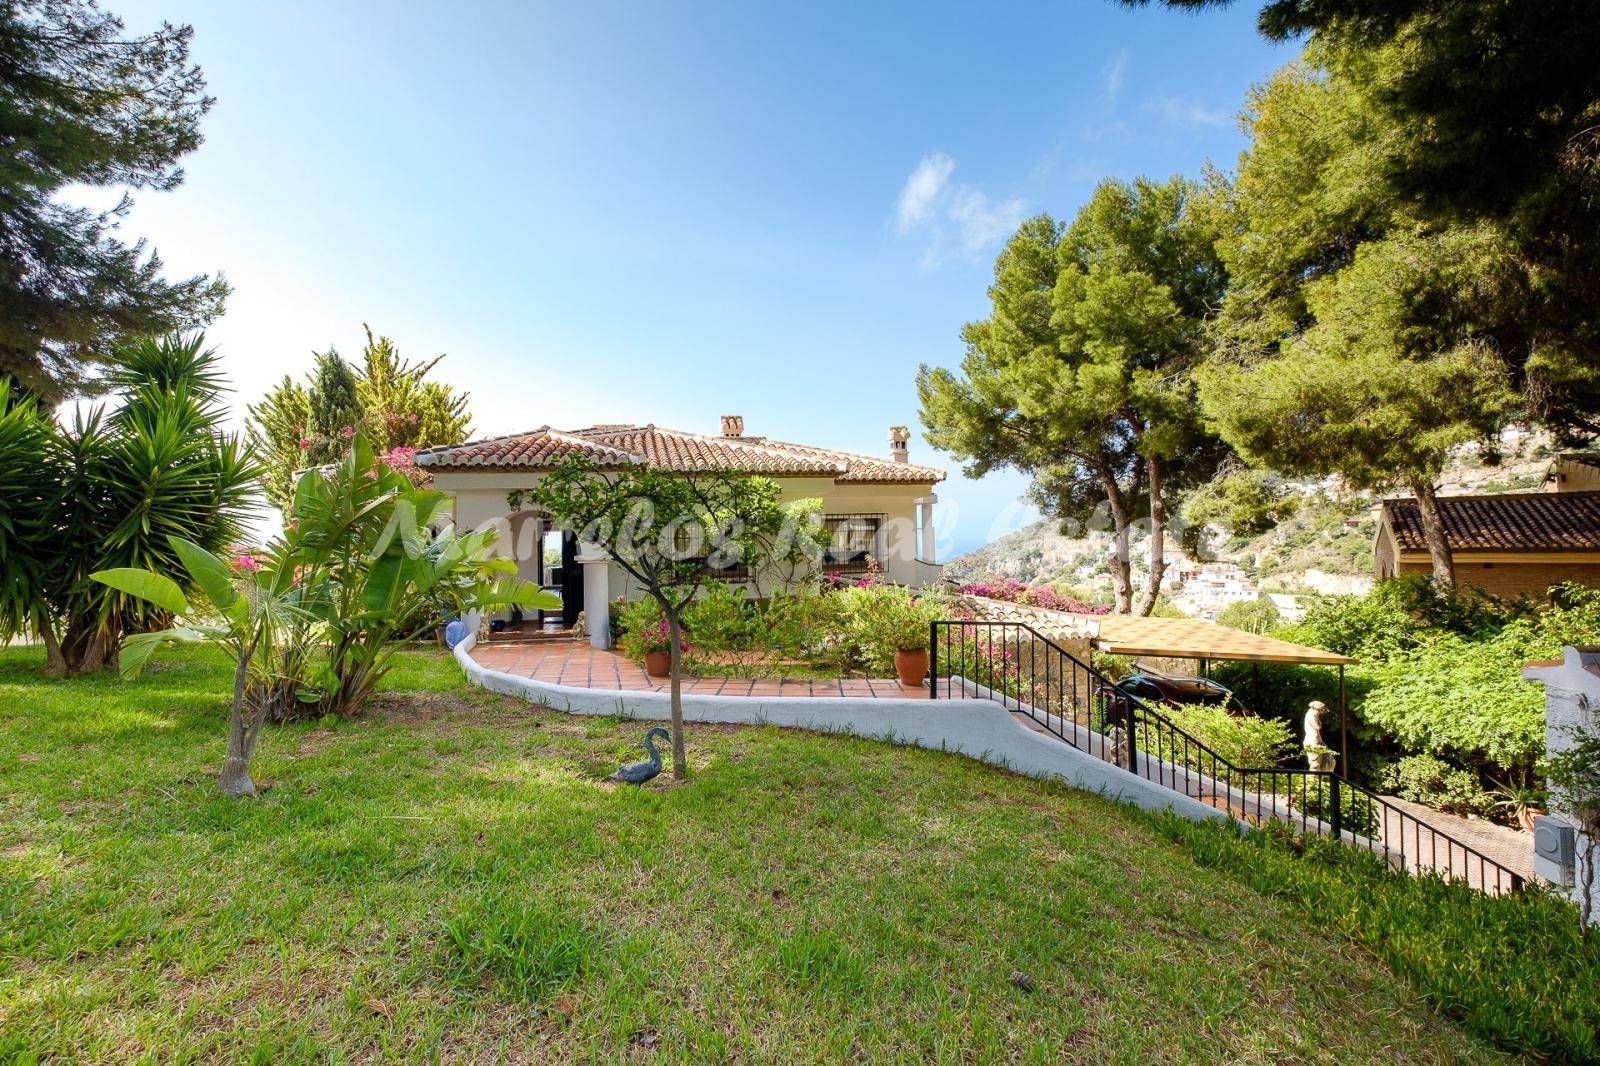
(1323,545)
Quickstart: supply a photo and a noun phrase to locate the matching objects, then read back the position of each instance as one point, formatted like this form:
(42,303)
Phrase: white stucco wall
(480,500)
(977,728)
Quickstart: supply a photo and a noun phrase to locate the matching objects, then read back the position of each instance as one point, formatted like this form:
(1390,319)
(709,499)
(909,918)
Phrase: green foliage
(1476,115)
(1513,969)
(390,401)
(400,407)
(747,636)
(644,628)
(1347,328)
(333,410)
(1252,616)
(1242,502)
(112,491)
(1246,741)
(360,539)
(86,105)
(277,429)
(1464,700)
(1436,783)
(879,620)
(1373,628)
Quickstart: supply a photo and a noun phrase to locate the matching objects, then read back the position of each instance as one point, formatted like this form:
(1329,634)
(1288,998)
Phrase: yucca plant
(110,491)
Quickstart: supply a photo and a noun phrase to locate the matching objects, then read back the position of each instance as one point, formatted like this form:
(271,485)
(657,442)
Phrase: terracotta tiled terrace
(575,663)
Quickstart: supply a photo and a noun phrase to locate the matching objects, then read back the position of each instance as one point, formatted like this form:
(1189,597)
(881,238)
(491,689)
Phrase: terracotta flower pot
(658,663)
(912,666)
(1525,816)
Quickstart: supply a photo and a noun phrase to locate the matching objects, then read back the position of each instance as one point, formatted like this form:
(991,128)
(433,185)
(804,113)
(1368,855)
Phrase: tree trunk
(1121,567)
(86,646)
(1433,533)
(54,661)
(1158,539)
(234,780)
(680,763)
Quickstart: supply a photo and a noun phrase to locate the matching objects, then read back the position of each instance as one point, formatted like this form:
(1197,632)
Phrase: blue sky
(651,212)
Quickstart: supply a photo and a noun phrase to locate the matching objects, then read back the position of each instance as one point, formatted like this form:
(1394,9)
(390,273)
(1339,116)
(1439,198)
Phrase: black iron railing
(1029,674)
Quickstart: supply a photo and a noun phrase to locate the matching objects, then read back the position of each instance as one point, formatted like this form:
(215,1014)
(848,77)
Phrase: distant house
(1514,544)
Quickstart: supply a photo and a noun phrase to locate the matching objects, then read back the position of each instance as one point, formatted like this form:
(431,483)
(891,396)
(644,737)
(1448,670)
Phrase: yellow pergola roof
(1190,638)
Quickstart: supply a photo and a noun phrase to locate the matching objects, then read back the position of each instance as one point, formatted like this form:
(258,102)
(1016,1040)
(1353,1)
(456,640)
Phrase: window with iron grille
(852,542)
(736,570)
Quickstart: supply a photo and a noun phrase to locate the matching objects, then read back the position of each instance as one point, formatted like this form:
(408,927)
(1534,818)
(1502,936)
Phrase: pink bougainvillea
(245,563)
(1030,595)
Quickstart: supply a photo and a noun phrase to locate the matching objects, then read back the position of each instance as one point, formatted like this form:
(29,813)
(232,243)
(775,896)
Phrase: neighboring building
(879,510)
(1514,544)
(1574,472)
(1207,589)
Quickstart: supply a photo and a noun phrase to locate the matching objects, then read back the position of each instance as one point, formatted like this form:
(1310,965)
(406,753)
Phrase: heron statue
(637,773)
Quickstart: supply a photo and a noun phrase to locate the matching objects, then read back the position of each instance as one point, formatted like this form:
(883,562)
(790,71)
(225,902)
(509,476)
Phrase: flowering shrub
(1042,596)
(644,629)
(404,460)
(871,579)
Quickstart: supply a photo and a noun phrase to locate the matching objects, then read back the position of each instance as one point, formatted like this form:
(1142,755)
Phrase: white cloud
(956,218)
(982,223)
(1114,70)
(1181,111)
(922,190)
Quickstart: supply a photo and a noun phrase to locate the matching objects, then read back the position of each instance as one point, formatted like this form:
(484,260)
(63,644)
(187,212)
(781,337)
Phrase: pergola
(1207,642)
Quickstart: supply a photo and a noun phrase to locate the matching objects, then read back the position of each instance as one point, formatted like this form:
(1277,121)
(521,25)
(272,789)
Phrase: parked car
(1174,689)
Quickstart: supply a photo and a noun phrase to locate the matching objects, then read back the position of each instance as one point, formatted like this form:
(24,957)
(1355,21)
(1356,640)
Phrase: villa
(878,510)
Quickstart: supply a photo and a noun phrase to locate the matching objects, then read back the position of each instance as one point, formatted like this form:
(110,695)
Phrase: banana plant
(384,564)
(257,619)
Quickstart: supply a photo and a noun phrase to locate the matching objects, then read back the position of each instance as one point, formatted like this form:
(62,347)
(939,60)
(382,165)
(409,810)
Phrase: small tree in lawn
(255,621)
(670,532)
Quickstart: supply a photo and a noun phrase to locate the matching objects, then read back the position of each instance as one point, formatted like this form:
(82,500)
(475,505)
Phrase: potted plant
(1522,800)
(892,624)
(645,636)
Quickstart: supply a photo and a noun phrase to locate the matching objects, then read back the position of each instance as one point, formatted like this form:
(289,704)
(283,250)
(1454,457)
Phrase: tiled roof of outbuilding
(1513,522)
(672,449)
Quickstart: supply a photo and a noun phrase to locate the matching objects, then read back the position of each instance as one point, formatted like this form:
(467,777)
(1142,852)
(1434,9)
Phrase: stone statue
(580,627)
(1318,755)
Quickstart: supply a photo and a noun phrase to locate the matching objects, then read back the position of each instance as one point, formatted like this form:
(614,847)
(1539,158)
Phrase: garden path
(575,663)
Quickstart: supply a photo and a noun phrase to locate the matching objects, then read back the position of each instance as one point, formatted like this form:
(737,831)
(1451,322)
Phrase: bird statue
(637,773)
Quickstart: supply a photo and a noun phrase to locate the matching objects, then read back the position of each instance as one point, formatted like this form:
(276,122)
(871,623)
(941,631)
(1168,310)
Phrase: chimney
(899,437)
(733,425)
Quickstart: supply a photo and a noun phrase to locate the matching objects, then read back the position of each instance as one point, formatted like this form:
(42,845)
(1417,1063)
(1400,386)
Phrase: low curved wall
(977,728)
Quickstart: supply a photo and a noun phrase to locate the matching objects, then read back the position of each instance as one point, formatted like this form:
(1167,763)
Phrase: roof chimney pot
(899,441)
(733,425)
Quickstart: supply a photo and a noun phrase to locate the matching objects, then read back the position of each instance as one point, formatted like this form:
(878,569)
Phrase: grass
(1514,969)
(450,877)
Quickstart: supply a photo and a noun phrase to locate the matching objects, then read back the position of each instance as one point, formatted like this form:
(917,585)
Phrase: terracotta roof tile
(1532,521)
(543,447)
(617,445)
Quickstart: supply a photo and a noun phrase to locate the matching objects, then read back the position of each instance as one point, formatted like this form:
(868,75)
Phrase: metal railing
(1027,673)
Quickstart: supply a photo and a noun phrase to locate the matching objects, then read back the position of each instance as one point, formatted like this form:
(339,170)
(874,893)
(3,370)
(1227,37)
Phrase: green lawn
(449,876)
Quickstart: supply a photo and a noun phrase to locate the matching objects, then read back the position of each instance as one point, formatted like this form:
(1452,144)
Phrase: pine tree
(83,104)
(333,408)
